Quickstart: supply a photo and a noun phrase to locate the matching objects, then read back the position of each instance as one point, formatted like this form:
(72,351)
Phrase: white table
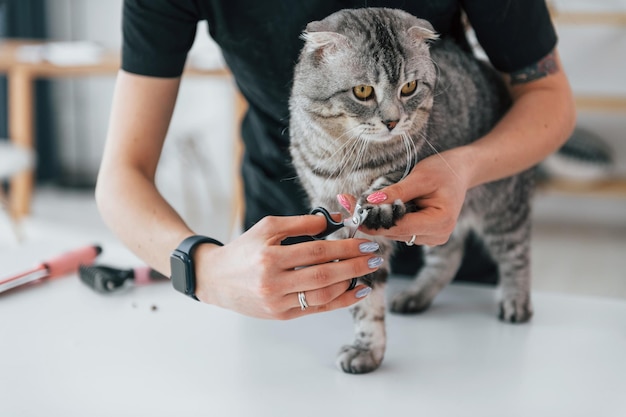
(67,351)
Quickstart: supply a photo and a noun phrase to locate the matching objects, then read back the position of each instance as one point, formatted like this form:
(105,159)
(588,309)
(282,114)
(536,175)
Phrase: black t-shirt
(260,43)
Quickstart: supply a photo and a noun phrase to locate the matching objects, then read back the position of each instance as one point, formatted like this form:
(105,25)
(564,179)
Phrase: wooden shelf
(615,187)
(589,18)
(108,64)
(600,103)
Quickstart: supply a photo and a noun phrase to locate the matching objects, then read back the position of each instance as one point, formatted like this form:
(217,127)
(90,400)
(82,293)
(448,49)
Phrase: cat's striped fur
(341,144)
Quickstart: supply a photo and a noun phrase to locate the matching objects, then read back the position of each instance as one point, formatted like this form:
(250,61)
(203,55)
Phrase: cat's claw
(356,360)
(515,310)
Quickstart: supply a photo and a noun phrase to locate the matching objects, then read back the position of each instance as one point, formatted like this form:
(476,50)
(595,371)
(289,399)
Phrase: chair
(13,160)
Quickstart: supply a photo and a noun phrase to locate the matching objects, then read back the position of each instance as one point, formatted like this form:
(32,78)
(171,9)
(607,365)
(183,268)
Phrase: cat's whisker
(440,156)
(360,148)
(407,147)
(361,155)
(347,131)
(415,150)
(345,160)
(347,143)
(352,144)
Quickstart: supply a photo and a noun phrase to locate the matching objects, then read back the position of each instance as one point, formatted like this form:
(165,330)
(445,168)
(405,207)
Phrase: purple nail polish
(363,292)
(375,262)
(368,247)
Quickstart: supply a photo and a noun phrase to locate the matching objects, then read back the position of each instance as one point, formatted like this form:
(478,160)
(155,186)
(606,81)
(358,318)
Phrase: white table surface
(67,351)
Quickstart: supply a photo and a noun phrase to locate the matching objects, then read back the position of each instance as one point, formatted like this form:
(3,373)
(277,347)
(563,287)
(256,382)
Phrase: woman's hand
(257,276)
(437,185)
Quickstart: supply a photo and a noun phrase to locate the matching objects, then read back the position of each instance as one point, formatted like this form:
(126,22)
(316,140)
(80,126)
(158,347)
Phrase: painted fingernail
(368,247)
(375,262)
(363,292)
(377,197)
(343,200)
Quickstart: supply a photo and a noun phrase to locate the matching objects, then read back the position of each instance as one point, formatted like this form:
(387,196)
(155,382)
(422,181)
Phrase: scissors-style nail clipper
(332,226)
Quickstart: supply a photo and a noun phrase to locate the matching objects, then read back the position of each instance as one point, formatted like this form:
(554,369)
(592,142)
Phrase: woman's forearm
(539,122)
(127,197)
(135,211)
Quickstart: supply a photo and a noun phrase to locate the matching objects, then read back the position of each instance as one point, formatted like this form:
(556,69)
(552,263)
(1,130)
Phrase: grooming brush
(106,279)
(61,265)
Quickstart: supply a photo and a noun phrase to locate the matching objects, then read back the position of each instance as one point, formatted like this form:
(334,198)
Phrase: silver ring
(411,242)
(302,300)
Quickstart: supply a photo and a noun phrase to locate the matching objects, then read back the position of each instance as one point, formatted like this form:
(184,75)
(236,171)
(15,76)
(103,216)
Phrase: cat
(375,91)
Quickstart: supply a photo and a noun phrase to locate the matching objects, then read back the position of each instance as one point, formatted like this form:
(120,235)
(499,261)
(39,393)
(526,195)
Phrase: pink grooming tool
(143,275)
(61,265)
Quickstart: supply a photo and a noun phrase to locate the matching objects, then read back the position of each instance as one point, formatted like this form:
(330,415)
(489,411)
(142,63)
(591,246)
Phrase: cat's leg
(366,352)
(511,251)
(441,264)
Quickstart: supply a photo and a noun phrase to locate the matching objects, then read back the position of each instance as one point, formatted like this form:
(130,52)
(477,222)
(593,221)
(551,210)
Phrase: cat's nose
(390,124)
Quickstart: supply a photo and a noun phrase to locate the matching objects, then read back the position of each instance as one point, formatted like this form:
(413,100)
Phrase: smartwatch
(182,266)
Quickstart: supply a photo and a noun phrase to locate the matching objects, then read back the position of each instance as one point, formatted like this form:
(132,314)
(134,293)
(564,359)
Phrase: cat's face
(368,73)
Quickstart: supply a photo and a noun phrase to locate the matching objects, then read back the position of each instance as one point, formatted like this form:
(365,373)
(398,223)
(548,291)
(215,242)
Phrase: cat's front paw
(515,309)
(411,302)
(358,360)
(384,215)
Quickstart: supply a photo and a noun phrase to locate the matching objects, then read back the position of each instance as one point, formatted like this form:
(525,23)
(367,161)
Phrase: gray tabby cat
(374,92)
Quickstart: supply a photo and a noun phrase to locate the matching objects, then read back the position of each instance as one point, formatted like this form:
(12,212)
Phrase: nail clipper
(332,226)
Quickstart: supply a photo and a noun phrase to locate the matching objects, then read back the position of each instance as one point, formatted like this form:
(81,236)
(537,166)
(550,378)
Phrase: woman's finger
(419,240)
(321,251)
(318,297)
(324,275)
(346,299)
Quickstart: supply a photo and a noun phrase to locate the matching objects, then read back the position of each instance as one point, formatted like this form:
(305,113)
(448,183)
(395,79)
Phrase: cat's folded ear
(423,31)
(321,41)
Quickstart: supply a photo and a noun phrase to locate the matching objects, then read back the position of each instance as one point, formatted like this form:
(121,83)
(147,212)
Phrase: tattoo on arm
(545,66)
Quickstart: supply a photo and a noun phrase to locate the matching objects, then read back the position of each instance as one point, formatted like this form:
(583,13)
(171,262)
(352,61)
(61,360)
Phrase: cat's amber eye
(408,88)
(363,92)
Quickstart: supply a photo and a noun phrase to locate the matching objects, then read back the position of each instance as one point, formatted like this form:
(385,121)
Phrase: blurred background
(580,219)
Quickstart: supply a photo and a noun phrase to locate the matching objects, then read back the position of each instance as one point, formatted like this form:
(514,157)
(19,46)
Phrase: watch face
(179,265)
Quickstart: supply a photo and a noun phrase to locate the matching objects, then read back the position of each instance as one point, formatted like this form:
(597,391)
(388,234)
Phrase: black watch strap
(184,279)
(189,244)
